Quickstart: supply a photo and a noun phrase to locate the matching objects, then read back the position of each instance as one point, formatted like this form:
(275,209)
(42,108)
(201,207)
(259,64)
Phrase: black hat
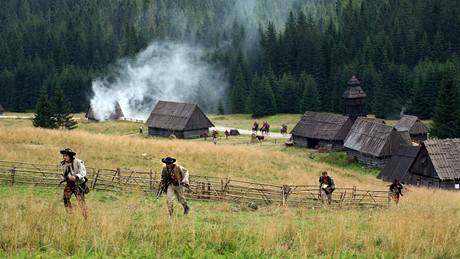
(68,151)
(168,160)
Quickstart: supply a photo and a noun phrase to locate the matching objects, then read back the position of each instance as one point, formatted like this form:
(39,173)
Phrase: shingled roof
(178,116)
(322,125)
(117,114)
(354,89)
(412,124)
(399,164)
(445,156)
(374,138)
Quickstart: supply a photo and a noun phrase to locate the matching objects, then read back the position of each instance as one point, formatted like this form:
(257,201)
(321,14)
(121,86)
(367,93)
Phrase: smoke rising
(175,71)
(164,71)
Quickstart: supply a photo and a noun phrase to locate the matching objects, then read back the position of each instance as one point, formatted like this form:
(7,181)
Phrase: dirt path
(249,132)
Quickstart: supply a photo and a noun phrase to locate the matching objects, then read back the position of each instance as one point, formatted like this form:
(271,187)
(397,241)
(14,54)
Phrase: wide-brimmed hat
(68,151)
(168,160)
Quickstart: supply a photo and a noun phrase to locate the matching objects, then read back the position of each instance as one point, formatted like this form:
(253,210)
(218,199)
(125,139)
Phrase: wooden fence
(201,187)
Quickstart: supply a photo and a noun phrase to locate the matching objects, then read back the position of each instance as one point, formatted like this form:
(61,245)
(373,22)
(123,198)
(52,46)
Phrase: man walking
(173,179)
(326,187)
(396,190)
(75,177)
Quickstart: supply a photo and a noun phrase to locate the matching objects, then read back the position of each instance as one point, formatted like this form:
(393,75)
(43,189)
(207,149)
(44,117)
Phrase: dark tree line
(405,52)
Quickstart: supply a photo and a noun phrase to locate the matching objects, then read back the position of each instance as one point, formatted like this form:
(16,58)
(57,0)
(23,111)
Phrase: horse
(283,129)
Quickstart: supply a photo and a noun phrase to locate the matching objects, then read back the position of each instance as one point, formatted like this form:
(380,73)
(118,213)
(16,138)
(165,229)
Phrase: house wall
(165,133)
(179,134)
(317,143)
(371,161)
(418,138)
(300,141)
(423,166)
(195,133)
(423,181)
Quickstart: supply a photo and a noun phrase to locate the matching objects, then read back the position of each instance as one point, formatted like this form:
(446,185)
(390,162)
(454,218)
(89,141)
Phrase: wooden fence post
(151,180)
(95,180)
(13,173)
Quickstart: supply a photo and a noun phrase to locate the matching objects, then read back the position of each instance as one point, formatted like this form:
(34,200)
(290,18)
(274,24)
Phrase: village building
(115,115)
(321,130)
(354,100)
(327,131)
(435,163)
(417,130)
(373,143)
(183,120)
(399,164)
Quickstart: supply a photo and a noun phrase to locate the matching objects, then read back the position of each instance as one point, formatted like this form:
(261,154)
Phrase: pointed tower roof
(354,89)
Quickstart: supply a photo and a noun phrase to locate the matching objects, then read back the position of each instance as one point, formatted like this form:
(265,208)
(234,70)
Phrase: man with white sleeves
(75,177)
(173,178)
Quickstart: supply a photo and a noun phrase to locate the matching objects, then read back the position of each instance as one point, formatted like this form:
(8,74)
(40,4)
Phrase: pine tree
(44,116)
(238,93)
(310,96)
(220,108)
(262,98)
(62,110)
(446,116)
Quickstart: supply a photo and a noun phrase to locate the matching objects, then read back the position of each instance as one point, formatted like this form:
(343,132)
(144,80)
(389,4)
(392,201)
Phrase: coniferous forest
(405,52)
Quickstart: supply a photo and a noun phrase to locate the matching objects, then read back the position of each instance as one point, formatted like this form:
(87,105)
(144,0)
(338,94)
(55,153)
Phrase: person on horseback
(255,126)
(283,129)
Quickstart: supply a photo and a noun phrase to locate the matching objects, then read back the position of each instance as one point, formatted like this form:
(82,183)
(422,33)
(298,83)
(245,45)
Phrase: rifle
(161,190)
(65,175)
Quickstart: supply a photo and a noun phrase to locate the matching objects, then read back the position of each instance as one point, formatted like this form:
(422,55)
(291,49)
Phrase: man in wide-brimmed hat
(173,178)
(75,178)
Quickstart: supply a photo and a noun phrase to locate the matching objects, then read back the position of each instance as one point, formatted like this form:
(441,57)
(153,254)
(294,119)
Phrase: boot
(186,209)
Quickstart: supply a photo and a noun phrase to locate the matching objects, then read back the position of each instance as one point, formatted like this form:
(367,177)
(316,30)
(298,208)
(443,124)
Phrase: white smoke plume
(163,71)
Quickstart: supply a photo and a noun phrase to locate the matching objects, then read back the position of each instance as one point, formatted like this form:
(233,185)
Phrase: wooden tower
(354,99)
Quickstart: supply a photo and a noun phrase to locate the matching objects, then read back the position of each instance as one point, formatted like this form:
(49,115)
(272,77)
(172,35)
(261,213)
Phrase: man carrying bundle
(173,179)
(326,187)
(75,178)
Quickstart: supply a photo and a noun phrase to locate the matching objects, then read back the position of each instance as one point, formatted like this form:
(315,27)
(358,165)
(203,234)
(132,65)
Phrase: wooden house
(183,120)
(373,143)
(321,130)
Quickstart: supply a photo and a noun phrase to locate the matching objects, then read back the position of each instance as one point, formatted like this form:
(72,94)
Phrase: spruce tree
(44,116)
(262,98)
(62,110)
(220,108)
(447,111)
(310,96)
(238,93)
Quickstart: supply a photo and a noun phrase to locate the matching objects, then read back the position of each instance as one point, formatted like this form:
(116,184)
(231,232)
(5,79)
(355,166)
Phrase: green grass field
(33,222)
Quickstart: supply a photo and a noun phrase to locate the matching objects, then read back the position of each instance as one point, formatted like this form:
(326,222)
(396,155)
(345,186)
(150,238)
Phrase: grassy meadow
(33,222)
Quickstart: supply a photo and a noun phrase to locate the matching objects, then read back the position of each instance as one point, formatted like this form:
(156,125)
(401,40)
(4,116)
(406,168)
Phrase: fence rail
(201,187)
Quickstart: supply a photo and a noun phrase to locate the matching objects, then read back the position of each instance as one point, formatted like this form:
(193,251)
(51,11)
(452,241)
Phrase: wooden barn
(184,120)
(2,110)
(417,130)
(354,99)
(437,164)
(321,130)
(399,165)
(117,114)
(373,143)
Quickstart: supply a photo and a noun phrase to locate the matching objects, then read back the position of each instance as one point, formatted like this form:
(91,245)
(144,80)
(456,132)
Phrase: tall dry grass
(253,162)
(34,222)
